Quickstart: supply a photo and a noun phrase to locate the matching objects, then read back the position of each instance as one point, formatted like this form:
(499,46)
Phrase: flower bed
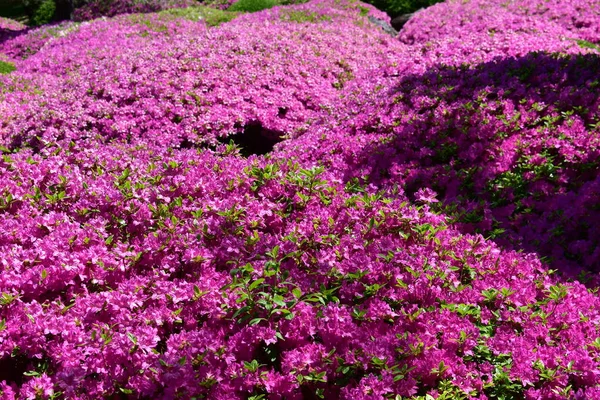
(374,252)
(176,82)
(7,24)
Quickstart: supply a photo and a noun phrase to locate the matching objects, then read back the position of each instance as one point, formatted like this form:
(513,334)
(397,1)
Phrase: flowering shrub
(581,18)
(7,24)
(23,43)
(375,252)
(120,93)
(9,29)
(513,151)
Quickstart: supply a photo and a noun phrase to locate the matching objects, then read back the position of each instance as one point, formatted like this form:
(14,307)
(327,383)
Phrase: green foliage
(588,45)
(40,11)
(268,298)
(211,16)
(399,7)
(261,175)
(446,391)
(290,2)
(303,16)
(6,67)
(252,5)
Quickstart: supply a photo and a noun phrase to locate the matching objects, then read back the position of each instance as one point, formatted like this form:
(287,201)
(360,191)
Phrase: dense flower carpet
(296,205)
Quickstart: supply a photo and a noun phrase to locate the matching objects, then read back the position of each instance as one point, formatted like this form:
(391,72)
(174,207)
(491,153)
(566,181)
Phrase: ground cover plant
(293,204)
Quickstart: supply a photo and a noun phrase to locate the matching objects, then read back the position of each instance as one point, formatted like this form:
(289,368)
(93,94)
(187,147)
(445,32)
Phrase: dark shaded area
(254,139)
(395,8)
(401,20)
(7,34)
(13,9)
(269,355)
(64,9)
(549,205)
(387,28)
(25,11)
(13,368)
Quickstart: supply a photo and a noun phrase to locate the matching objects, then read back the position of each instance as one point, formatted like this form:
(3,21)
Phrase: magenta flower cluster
(7,24)
(425,225)
(178,83)
(579,18)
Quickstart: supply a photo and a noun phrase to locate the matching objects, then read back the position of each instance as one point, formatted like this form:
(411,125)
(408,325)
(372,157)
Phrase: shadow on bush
(7,34)
(254,139)
(512,147)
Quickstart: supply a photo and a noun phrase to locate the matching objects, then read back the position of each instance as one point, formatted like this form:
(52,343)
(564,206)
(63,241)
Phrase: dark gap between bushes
(254,139)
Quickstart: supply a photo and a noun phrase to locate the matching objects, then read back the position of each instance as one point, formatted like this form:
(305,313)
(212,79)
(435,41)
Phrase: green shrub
(399,7)
(303,16)
(290,2)
(211,16)
(6,67)
(252,5)
(44,13)
(40,12)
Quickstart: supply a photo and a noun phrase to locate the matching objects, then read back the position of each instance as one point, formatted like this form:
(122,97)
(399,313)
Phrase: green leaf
(278,299)
(255,284)
(557,292)
(252,366)
(132,337)
(297,292)
(595,343)
(198,293)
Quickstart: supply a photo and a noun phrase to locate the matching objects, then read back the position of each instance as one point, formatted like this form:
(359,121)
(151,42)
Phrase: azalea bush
(513,153)
(295,205)
(7,24)
(454,18)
